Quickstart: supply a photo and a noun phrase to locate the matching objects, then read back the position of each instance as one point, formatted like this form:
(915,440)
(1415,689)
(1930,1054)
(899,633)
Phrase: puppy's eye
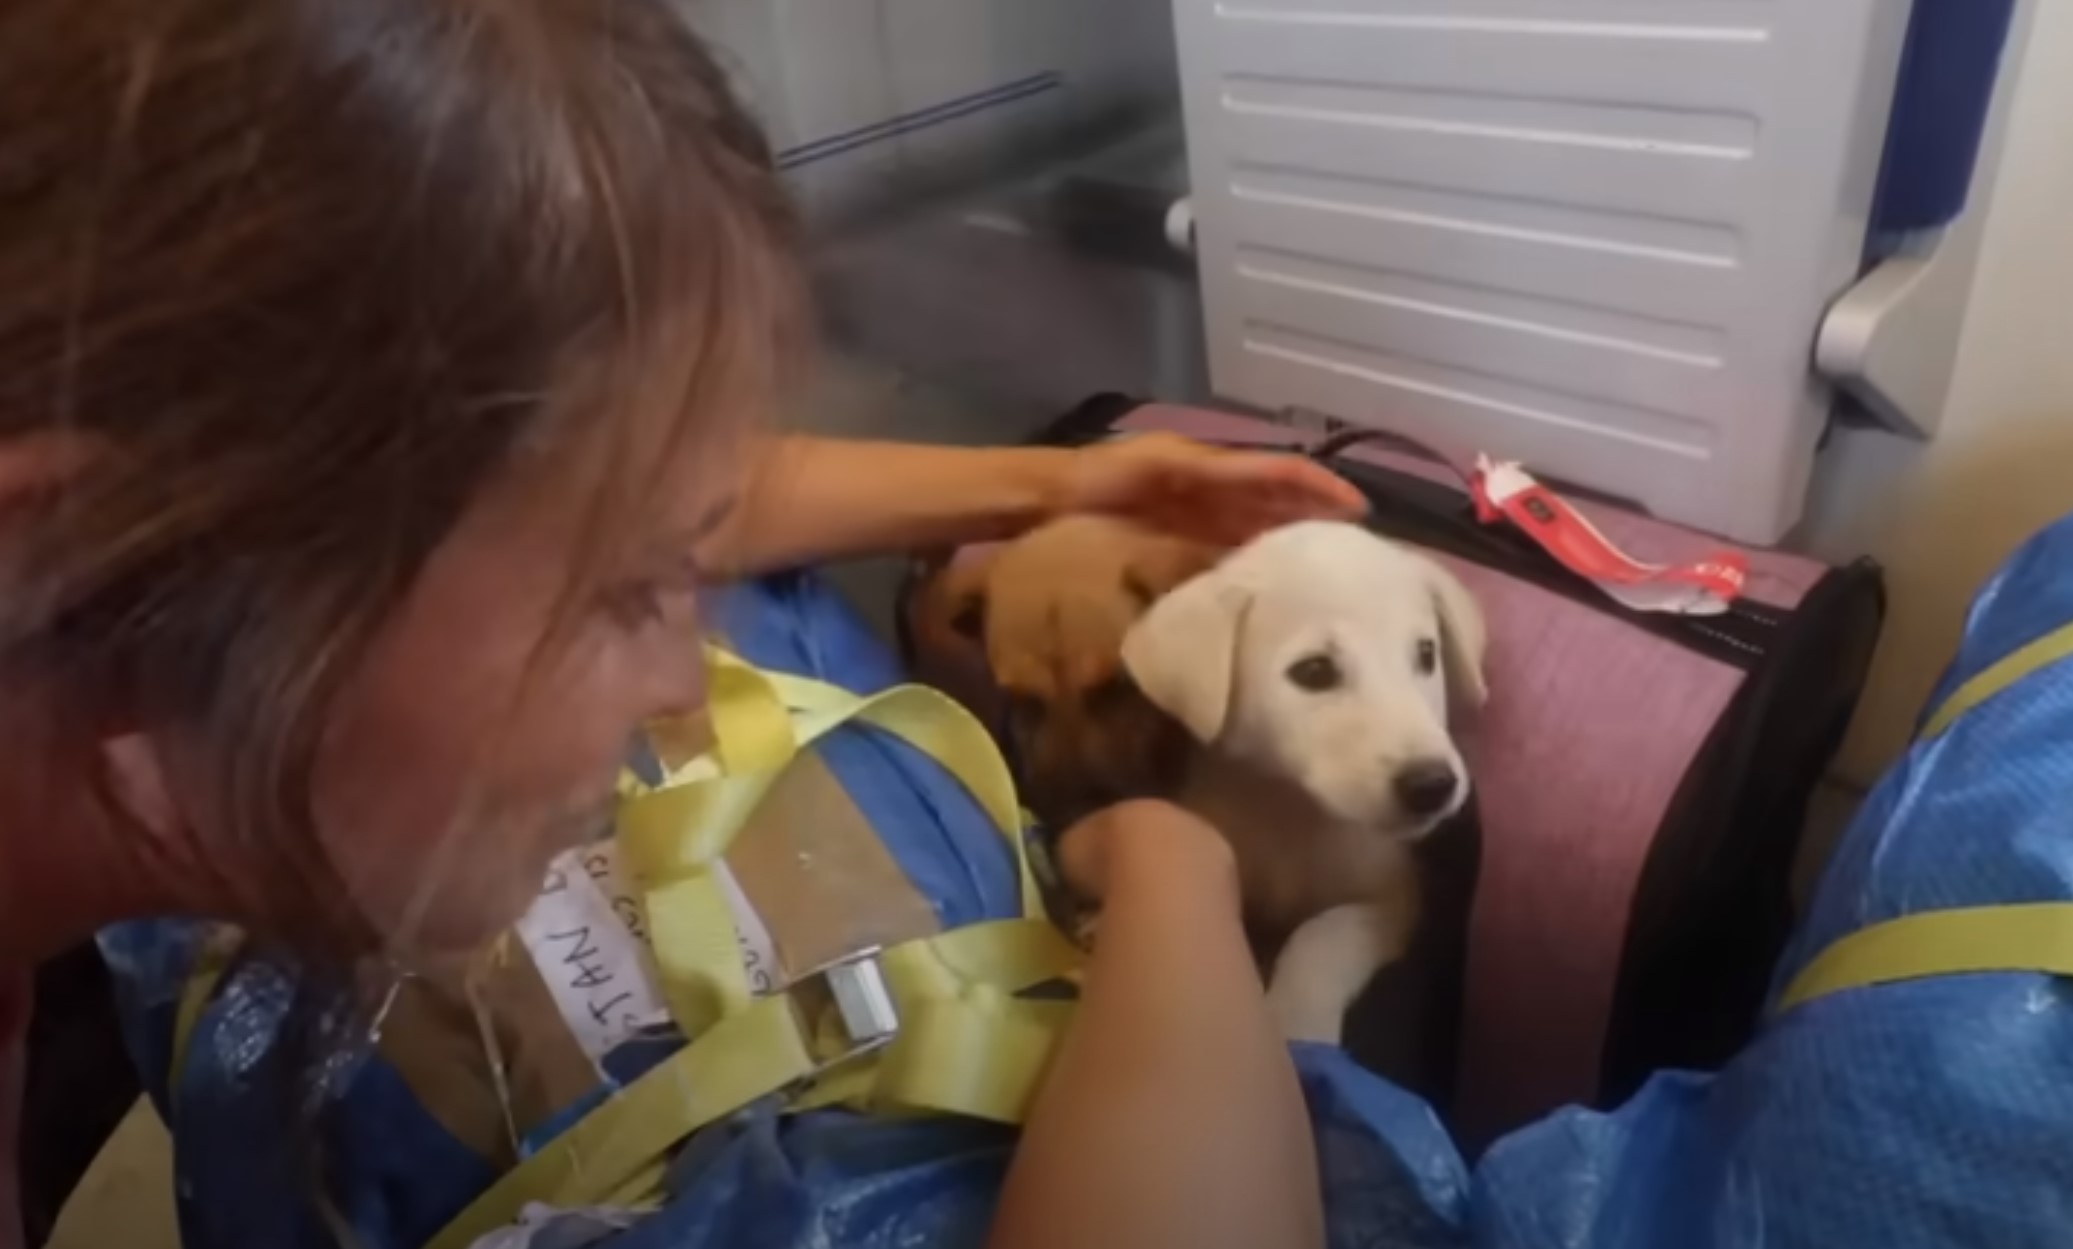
(1316,673)
(1428,659)
(969,621)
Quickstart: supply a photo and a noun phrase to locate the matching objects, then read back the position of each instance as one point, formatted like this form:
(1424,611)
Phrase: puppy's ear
(1463,636)
(1183,654)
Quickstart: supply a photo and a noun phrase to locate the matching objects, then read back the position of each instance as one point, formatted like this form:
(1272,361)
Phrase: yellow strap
(642,1192)
(756,735)
(2034,937)
(930,721)
(2037,937)
(714,799)
(966,1043)
(750,716)
(974,1046)
(940,727)
(217,949)
(2045,651)
(751,1054)
(697,951)
(673,835)
(981,1056)
(194,999)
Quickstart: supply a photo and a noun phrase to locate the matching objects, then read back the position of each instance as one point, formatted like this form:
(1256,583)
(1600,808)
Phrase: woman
(379,382)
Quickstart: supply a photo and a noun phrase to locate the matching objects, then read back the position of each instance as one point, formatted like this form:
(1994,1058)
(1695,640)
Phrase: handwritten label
(758,951)
(588,935)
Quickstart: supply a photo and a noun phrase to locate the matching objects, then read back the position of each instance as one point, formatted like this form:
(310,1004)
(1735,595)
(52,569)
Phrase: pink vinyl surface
(1589,731)
(1591,727)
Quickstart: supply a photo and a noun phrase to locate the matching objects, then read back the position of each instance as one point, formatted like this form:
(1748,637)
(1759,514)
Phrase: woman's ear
(1463,636)
(137,782)
(1183,653)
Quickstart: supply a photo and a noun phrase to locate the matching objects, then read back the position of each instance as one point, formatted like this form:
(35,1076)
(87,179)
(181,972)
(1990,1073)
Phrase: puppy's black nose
(1426,786)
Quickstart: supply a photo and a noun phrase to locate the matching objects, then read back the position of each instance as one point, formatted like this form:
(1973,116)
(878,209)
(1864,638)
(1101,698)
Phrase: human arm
(814,499)
(1172,1115)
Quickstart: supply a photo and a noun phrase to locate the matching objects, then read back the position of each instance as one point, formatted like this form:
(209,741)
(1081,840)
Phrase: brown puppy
(1050,611)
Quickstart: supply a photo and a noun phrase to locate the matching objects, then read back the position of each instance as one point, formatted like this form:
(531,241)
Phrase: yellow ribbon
(2030,938)
(967,1042)
(2047,650)
(2024,938)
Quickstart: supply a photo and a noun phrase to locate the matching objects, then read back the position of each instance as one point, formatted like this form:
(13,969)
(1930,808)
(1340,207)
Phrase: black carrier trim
(1713,909)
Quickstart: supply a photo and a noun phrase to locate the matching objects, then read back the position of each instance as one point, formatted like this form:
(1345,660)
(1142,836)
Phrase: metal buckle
(854,988)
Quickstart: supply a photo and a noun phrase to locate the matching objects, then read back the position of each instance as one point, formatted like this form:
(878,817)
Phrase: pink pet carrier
(1642,780)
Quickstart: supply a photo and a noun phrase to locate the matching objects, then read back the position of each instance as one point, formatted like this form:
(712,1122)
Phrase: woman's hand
(1146,842)
(1171,1114)
(815,499)
(1207,493)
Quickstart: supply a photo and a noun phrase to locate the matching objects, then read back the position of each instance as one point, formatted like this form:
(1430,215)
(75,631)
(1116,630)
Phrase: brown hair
(303,274)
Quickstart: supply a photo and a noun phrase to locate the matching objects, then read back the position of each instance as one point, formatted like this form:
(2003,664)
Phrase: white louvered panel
(1539,350)
(1337,131)
(1506,248)
(1676,64)
(1594,235)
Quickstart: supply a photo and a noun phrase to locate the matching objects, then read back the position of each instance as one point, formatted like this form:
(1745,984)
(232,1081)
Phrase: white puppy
(1316,665)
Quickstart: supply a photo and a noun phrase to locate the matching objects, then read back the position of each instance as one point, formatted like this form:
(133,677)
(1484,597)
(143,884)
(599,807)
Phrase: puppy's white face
(1322,654)
(1339,688)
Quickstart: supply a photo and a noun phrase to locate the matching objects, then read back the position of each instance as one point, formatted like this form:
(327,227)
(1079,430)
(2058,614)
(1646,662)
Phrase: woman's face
(466,753)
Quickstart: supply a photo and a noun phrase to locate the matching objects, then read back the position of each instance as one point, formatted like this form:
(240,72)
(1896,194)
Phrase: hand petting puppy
(1207,493)
(1147,844)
